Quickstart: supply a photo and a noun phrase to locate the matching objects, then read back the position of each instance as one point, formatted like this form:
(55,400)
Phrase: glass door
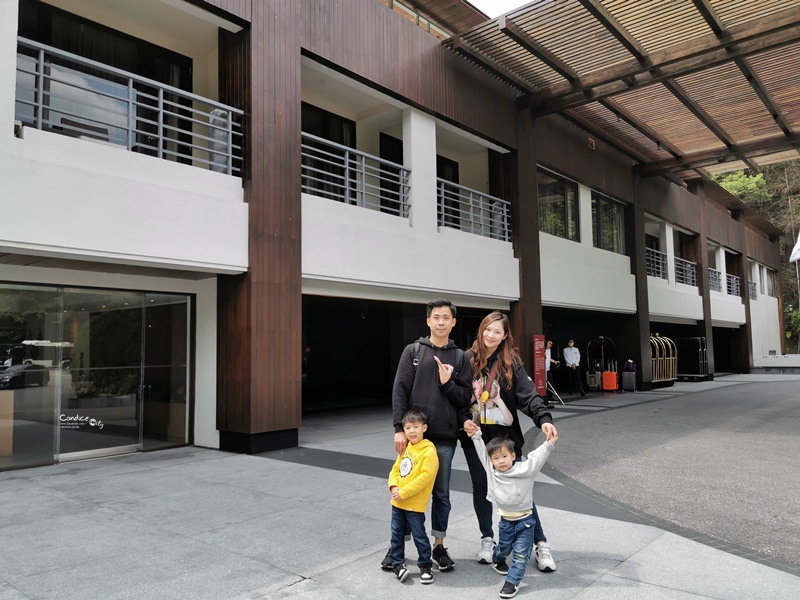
(165,374)
(100,410)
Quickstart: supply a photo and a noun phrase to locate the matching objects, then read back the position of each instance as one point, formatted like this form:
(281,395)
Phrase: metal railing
(685,271)
(714,280)
(338,172)
(68,94)
(656,263)
(734,285)
(753,290)
(472,211)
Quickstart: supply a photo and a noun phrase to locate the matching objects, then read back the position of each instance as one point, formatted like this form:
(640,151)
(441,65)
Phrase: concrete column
(205,393)
(585,215)
(419,154)
(668,234)
(8,64)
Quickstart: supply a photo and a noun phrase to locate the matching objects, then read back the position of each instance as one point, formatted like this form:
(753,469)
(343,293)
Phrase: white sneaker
(544,558)
(487,548)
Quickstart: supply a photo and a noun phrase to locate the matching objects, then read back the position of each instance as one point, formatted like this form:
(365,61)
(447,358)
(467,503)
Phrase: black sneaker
(386,563)
(400,572)
(425,575)
(442,558)
(509,590)
(500,567)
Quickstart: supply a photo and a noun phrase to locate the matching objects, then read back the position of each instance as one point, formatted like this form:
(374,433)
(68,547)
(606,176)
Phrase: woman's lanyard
(487,388)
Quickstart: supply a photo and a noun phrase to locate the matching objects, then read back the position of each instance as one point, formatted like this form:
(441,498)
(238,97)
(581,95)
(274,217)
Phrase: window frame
(570,213)
(597,202)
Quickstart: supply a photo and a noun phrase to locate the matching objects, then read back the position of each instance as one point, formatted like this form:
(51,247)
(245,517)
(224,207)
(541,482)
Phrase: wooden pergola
(686,88)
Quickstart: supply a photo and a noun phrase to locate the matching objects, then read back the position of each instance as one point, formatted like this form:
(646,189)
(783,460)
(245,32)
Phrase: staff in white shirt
(572,358)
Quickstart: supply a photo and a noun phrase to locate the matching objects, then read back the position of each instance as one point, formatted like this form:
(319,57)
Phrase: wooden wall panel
(564,147)
(667,201)
(238,8)
(375,44)
(722,229)
(762,250)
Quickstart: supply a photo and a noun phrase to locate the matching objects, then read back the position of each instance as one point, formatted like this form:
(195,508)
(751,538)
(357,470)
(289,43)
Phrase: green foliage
(775,195)
(750,189)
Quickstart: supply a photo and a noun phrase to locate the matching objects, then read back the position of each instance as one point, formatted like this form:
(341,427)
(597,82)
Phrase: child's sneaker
(509,590)
(501,567)
(401,572)
(544,558)
(425,575)
(386,563)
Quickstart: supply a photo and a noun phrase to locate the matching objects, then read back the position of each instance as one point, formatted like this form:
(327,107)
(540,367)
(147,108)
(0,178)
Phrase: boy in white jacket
(510,487)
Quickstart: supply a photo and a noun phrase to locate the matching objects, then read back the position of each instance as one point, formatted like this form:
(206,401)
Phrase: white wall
(73,198)
(674,301)
(353,246)
(205,428)
(577,275)
(726,310)
(765,329)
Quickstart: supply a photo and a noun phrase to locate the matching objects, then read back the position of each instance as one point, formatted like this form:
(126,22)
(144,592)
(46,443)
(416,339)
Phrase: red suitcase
(609,381)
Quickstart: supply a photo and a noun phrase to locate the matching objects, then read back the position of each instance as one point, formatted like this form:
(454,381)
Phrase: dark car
(18,376)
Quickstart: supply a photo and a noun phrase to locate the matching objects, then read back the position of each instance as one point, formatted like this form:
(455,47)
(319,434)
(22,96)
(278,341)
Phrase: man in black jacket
(431,370)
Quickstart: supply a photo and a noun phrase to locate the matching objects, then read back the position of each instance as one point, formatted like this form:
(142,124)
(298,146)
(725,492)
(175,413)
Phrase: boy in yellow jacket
(411,485)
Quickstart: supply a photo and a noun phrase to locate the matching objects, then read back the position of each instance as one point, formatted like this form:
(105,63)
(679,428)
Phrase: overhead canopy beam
(606,19)
(756,36)
(698,112)
(467,51)
(640,126)
(709,158)
(514,32)
(716,25)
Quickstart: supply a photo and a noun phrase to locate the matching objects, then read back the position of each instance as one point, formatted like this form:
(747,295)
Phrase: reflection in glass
(100,391)
(558,206)
(165,377)
(29,374)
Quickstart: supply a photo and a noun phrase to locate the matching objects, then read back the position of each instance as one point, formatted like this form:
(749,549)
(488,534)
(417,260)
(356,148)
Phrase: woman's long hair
(506,352)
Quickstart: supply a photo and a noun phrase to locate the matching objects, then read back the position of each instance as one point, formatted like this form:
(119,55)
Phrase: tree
(775,195)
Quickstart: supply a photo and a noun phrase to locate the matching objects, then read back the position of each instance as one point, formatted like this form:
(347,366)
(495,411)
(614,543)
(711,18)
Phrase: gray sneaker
(485,554)
(544,558)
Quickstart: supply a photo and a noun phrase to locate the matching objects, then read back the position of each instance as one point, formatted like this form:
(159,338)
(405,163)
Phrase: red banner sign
(539,373)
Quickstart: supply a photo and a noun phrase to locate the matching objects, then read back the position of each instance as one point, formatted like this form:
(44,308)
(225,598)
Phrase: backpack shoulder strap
(459,362)
(417,353)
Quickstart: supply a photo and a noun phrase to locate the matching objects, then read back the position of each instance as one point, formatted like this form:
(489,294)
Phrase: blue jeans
(483,508)
(516,539)
(402,521)
(440,507)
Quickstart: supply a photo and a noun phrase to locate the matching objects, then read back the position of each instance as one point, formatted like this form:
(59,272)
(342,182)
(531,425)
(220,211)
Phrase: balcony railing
(753,290)
(472,211)
(68,94)
(685,271)
(714,280)
(734,285)
(656,263)
(337,172)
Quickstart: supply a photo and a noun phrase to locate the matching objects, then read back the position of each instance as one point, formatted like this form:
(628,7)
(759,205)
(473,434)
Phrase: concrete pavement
(313,522)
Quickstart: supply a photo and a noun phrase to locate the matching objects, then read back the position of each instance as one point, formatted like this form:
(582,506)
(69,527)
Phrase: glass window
(558,206)
(608,224)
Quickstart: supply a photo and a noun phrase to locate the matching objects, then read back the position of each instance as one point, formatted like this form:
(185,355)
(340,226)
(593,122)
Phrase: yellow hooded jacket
(413,473)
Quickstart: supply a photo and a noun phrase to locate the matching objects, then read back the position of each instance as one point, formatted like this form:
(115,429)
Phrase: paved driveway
(720,458)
